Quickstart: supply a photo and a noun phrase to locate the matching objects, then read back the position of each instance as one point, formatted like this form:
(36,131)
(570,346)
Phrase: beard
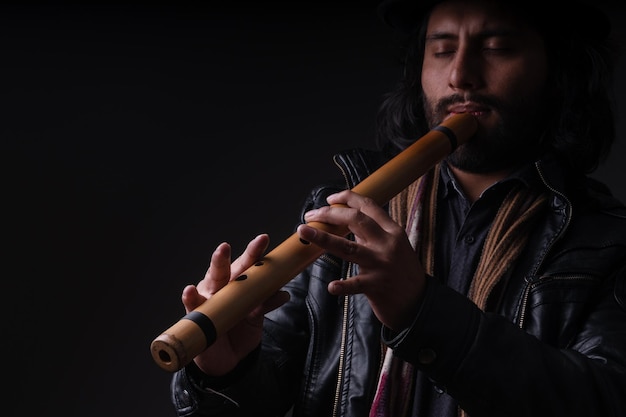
(515,139)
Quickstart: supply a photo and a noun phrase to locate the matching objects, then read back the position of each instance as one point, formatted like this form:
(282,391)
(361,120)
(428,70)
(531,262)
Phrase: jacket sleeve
(492,367)
(253,388)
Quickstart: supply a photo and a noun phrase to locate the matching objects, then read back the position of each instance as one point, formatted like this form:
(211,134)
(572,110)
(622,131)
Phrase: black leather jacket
(554,345)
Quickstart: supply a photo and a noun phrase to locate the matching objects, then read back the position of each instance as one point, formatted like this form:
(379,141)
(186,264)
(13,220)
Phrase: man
(495,285)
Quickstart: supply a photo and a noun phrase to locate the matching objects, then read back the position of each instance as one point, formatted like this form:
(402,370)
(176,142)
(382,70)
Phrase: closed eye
(498,51)
(443,54)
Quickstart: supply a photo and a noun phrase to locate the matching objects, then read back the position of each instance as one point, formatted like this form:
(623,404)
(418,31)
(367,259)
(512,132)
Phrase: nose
(465,71)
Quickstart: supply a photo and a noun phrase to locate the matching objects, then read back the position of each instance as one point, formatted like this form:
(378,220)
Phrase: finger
(253,252)
(218,273)
(364,227)
(350,286)
(337,245)
(191,298)
(364,204)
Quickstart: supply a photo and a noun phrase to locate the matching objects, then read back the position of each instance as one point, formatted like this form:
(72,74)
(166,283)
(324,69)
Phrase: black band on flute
(450,134)
(205,324)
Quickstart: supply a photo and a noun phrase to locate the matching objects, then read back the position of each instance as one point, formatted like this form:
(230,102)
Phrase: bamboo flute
(199,329)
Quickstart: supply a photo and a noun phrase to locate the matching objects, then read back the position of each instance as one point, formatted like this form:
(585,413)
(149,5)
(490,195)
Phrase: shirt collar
(526,174)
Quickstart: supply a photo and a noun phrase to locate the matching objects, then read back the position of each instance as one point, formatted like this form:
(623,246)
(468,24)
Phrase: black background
(137,138)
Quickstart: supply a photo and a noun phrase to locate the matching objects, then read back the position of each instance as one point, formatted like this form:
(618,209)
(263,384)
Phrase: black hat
(573,17)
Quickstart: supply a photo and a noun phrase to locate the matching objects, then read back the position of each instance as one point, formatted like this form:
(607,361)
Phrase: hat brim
(576,17)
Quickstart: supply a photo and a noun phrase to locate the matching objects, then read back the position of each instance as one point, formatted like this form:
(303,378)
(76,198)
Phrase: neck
(474,184)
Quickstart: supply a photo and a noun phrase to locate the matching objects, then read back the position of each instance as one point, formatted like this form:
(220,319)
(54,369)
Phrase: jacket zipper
(344,325)
(568,218)
(544,278)
(342,355)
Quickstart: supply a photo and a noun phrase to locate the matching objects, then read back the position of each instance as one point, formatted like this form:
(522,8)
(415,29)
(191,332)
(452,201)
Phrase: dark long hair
(581,130)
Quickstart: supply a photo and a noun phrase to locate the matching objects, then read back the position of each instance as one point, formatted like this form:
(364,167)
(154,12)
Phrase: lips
(471,108)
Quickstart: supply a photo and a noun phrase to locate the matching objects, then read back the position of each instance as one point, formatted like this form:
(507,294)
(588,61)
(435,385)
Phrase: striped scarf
(415,209)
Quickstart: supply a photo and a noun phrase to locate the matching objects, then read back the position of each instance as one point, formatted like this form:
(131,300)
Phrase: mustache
(479,99)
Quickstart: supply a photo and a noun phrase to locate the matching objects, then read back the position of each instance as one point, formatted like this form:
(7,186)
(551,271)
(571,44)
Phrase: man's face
(479,59)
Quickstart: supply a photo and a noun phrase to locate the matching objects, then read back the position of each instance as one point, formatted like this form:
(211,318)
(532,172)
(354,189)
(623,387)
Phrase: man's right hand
(228,349)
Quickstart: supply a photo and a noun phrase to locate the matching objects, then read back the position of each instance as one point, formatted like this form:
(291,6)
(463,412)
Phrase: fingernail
(307,232)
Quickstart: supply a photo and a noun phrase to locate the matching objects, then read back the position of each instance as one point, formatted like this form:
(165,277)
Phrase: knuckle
(349,247)
(369,202)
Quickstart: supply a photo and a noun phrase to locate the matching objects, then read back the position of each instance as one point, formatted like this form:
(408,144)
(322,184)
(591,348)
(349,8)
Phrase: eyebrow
(488,33)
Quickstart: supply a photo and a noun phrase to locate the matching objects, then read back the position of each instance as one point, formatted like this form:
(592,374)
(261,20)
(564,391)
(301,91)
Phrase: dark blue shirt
(461,227)
(461,230)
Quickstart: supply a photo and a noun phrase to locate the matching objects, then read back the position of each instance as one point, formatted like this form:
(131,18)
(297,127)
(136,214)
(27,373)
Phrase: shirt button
(426,356)
(469,239)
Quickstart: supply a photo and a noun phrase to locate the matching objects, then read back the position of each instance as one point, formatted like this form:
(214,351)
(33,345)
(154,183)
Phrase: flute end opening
(166,351)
